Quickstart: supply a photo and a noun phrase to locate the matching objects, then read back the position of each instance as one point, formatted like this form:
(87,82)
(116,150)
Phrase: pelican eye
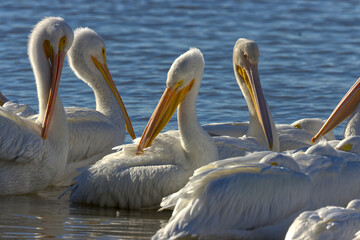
(274,164)
(179,83)
(62,42)
(104,55)
(246,56)
(298,126)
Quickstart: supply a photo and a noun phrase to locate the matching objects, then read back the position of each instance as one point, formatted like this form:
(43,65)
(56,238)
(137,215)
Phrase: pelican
(329,222)
(93,133)
(249,197)
(34,153)
(140,175)
(261,132)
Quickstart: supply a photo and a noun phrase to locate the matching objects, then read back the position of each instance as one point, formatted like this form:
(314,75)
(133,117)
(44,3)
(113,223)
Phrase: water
(309,57)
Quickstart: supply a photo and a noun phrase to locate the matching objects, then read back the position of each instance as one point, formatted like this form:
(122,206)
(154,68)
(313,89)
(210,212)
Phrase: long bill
(55,80)
(343,110)
(3,99)
(107,76)
(252,80)
(162,114)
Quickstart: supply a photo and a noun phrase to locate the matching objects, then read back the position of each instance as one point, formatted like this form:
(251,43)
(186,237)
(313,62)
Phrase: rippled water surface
(309,58)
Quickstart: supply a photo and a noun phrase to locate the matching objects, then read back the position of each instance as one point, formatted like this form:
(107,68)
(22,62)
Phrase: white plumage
(253,205)
(22,110)
(239,198)
(33,153)
(327,223)
(126,180)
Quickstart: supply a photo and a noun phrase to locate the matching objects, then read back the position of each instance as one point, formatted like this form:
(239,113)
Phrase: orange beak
(55,80)
(343,110)
(3,99)
(251,76)
(104,70)
(162,114)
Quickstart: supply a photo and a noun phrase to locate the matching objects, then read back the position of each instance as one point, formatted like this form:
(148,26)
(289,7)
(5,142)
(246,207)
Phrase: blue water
(309,57)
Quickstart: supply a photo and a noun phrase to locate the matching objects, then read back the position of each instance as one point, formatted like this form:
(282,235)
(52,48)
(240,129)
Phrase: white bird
(261,132)
(34,153)
(127,180)
(239,198)
(327,223)
(93,133)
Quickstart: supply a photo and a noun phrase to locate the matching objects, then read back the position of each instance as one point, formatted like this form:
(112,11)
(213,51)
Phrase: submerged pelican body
(34,153)
(139,176)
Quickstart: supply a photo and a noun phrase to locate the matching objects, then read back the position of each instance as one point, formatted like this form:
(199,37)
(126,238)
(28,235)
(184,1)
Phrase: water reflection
(43,215)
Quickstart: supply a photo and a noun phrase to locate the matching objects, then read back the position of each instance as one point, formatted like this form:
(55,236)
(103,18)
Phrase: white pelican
(330,223)
(127,180)
(93,133)
(239,198)
(34,153)
(261,132)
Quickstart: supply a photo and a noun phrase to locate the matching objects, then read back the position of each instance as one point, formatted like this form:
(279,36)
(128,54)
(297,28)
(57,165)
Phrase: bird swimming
(139,175)
(33,153)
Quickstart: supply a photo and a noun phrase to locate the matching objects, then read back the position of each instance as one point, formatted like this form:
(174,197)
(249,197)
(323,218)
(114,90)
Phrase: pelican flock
(237,183)
(253,203)
(33,153)
(92,133)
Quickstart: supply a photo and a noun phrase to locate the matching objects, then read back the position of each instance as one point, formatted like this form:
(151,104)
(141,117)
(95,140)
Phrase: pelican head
(49,42)
(343,110)
(87,58)
(183,82)
(245,61)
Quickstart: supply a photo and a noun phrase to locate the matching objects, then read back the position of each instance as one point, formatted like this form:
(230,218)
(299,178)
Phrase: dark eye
(103,51)
(246,56)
